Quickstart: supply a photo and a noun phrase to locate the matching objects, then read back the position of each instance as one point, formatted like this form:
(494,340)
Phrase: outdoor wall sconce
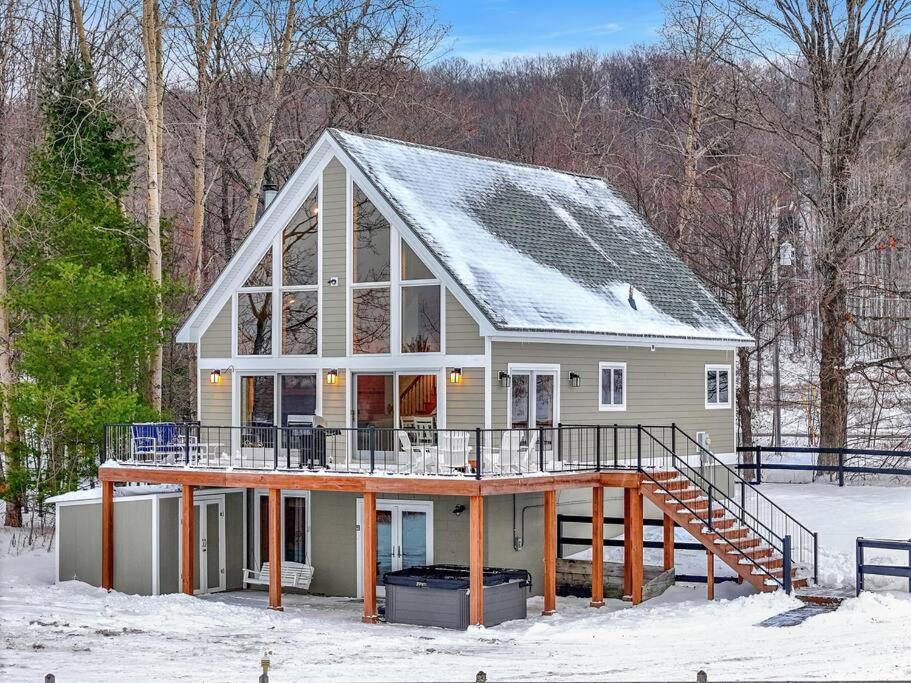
(575,379)
(332,376)
(215,377)
(455,376)
(503,378)
(458,509)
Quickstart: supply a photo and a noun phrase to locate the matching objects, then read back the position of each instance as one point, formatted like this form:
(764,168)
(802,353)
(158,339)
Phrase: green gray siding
(79,554)
(334,209)
(216,340)
(215,399)
(465,401)
(463,336)
(334,400)
(663,386)
(169,545)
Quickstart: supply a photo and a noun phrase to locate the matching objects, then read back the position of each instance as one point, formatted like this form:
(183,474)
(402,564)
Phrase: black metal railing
(847,461)
(670,448)
(447,452)
(881,569)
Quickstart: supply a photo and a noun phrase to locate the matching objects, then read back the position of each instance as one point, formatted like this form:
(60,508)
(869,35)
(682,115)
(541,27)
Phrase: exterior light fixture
(332,376)
(458,510)
(455,376)
(215,377)
(575,379)
(503,378)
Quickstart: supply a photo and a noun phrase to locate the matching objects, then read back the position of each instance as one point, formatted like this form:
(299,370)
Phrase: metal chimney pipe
(269,193)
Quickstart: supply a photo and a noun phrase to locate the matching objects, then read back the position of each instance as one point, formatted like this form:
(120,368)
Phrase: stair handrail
(740,479)
(774,540)
(713,460)
(718,532)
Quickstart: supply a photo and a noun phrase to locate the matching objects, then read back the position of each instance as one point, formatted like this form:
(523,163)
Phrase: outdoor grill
(437,595)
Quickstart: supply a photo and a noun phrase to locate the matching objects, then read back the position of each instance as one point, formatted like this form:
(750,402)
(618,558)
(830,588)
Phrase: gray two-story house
(423,321)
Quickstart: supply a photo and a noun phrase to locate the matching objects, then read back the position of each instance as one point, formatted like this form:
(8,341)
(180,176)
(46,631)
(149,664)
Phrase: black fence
(563,539)
(881,569)
(847,461)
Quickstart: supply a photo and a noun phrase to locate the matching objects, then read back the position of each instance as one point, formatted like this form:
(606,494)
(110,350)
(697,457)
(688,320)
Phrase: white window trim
(276,389)
(709,367)
(442,375)
(396,284)
(539,368)
(256,522)
(278,289)
(611,365)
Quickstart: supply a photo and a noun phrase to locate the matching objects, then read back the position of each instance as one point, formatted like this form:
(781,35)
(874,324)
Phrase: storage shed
(147,538)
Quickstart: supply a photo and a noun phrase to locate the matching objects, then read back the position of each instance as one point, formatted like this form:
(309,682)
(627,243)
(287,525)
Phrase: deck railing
(478,453)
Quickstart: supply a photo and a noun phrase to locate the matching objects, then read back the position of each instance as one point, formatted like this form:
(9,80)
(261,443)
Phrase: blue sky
(495,29)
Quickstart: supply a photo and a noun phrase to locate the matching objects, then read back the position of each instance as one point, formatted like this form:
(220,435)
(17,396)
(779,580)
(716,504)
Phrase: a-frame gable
(280,213)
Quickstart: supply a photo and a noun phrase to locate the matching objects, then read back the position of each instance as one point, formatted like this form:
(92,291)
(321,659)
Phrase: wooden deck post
(186,540)
(107,535)
(368,540)
(476,560)
(710,575)
(550,552)
(627,548)
(636,527)
(668,542)
(275,549)
(597,547)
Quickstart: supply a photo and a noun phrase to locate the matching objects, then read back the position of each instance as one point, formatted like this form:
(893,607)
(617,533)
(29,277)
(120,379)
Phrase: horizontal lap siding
(215,400)
(216,340)
(463,336)
(663,386)
(465,401)
(334,212)
(334,400)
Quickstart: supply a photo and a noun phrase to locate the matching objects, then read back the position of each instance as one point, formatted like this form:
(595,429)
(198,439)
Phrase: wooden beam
(709,575)
(627,547)
(476,560)
(636,528)
(187,546)
(368,540)
(107,535)
(550,552)
(597,547)
(275,549)
(668,542)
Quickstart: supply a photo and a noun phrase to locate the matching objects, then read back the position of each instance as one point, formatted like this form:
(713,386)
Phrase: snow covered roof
(119,492)
(541,250)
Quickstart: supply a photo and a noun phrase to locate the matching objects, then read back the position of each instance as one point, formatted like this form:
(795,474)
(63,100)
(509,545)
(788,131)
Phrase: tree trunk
(11,440)
(264,143)
(744,409)
(151,40)
(833,384)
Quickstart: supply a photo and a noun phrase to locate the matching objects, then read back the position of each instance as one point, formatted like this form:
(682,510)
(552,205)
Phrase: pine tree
(88,308)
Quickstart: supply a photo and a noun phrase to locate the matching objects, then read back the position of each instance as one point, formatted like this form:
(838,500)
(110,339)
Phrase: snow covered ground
(82,633)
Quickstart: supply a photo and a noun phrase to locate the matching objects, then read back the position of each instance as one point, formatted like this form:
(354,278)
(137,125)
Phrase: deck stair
(753,536)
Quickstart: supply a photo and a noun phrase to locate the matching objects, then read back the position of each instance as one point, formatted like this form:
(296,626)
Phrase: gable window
(421,305)
(371,272)
(717,386)
(300,281)
(254,322)
(612,386)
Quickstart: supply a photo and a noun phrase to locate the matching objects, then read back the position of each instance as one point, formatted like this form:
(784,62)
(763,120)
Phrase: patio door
(404,538)
(209,544)
(533,399)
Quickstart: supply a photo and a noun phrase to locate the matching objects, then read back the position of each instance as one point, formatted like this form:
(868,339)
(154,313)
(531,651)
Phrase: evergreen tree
(86,304)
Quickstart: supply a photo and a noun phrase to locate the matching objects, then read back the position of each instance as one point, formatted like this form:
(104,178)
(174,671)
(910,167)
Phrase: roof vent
(632,299)
(269,193)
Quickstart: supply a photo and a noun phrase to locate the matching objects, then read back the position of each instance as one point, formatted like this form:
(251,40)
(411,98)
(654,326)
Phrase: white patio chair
(452,450)
(413,459)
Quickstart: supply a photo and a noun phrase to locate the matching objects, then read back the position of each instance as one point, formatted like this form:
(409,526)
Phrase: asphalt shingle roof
(539,249)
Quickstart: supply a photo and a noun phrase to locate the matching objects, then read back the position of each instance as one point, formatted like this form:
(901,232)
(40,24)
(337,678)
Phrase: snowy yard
(82,633)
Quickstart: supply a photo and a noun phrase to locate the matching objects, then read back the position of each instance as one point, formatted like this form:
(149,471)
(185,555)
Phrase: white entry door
(209,542)
(404,538)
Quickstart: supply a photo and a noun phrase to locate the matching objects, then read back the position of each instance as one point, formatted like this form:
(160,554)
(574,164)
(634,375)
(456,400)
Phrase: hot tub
(437,595)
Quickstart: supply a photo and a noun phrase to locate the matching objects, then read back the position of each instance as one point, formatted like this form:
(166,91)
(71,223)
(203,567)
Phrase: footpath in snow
(81,633)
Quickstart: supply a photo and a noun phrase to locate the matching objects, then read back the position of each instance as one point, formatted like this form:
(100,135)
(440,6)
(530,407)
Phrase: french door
(533,398)
(404,538)
(208,544)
